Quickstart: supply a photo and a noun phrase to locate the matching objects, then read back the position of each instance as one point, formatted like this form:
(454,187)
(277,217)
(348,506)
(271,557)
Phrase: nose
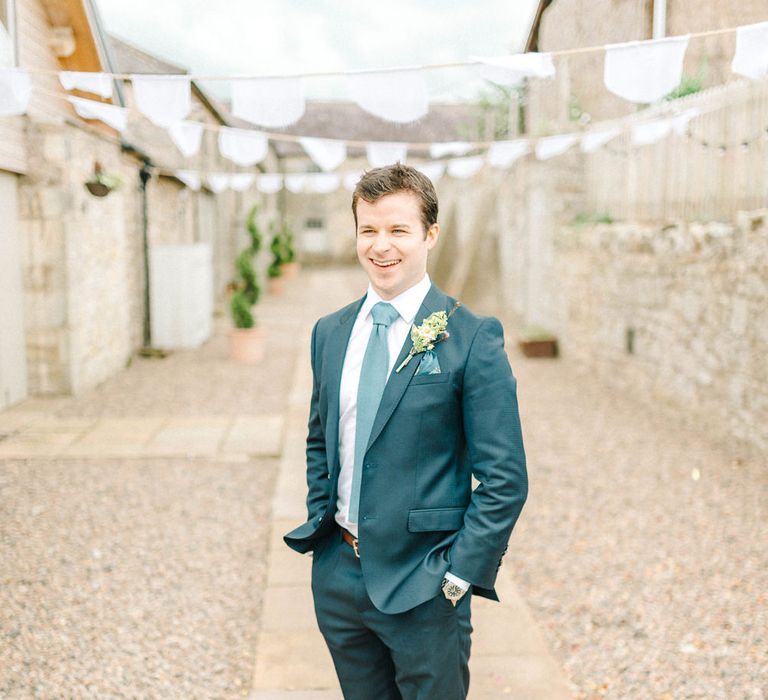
(381,242)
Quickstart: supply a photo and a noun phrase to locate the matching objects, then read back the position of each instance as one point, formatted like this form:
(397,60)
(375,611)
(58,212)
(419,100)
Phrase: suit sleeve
(497,457)
(318,483)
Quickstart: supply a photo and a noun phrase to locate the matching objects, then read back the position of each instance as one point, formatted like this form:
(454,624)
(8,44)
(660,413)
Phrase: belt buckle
(356,547)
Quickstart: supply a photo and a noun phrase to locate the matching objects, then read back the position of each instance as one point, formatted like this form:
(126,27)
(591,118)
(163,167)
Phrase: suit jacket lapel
(334,361)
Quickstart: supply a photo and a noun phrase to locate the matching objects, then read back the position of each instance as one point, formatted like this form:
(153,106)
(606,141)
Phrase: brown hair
(378,182)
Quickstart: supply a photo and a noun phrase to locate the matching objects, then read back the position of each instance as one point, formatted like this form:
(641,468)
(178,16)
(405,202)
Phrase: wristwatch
(452,591)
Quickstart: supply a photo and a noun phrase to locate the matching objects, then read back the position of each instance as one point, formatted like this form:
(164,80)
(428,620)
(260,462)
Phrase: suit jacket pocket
(431,519)
(430,378)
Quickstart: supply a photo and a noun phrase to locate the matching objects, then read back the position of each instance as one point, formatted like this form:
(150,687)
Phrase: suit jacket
(418,515)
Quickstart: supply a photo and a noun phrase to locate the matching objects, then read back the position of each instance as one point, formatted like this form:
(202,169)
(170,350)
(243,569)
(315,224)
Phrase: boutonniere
(431,331)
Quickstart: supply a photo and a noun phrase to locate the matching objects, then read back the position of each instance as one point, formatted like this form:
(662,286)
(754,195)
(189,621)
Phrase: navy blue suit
(419,516)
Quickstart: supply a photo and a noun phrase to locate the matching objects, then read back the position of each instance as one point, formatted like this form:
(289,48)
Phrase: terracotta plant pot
(540,347)
(275,285)
(290,270)
(246,345)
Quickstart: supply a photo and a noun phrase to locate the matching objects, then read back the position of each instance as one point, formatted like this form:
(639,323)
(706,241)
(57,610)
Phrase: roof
(131,59)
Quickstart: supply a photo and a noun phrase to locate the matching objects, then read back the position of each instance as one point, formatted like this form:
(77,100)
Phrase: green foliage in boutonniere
(431,331)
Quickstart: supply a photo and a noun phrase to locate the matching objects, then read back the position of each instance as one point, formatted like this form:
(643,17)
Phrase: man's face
(390,242)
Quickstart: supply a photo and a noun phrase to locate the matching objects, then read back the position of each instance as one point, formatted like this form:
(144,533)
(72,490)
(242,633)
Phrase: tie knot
(383,313)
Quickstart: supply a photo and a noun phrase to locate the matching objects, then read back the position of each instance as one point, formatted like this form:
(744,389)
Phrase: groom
(399,422)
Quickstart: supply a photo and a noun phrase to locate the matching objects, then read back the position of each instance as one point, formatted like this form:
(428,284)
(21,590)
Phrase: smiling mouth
(384,263)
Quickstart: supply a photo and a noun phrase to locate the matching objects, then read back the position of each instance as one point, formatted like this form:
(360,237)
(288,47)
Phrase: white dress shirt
(406,304)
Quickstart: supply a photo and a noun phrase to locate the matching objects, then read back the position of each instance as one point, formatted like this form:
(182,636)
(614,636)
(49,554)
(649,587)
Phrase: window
(7,34)
(314,222)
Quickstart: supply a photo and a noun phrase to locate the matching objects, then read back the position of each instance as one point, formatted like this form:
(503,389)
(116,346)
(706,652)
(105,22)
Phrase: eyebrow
(393,226)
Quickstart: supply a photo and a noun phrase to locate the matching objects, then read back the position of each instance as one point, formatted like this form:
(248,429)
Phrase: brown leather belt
(350,539)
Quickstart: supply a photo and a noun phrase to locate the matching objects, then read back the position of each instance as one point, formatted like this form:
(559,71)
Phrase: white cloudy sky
(257,37)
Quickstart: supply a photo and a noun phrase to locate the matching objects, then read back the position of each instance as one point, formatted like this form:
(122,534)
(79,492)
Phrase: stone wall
(676,314)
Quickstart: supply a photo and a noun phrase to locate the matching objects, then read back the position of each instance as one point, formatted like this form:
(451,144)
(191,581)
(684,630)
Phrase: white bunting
(465,167)
(450,148)
(593,140)
(396,96)
(112,115)
(434,171)
(351,179)
(322,183)
(163,99)
(15,91)
(217,182)
(98,83)
(270,102)
(269,183)
(679,122)
(512,70)
(240,182)
(554,145)
(381,153)
(751,56)
(326,153)
(190,178)
(243,146)
(295,182)
(649,132)
(644,71)
(187,137)
(502,154)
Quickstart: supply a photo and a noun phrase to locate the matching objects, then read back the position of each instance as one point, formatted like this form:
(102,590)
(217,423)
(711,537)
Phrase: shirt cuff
(458,581)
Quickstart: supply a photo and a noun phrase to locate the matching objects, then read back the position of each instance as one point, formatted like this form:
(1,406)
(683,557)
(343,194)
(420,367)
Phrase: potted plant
(101,183)
(535,341)
(246,339)
(289,264)
(275,270)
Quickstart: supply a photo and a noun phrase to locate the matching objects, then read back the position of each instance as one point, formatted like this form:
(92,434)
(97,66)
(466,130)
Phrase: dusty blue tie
(373,378)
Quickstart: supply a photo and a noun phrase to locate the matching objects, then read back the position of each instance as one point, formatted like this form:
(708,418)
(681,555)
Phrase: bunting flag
(112,115)
(649,132)
(396,96)
(502,154)
(465,167)
(189,177)
(217,182)
(243,146)
(593,140)
(322,183)
(351,179)
(15,91)
(450,148)
(751,56)
(381,153)
(326,153)
(240,182)
(551,146)
(97,83)
(187,136)
(644,71)
(294,182)
(163,99)
(434,171)
(268,102)
(269,183)
(512,70)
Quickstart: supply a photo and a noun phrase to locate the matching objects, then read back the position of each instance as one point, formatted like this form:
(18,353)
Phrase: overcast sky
(295,36)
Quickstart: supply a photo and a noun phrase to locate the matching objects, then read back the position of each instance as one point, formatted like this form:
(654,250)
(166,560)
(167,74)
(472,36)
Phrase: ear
(433,233)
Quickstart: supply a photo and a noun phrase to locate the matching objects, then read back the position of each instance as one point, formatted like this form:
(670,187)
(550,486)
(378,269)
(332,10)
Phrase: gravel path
(643,548)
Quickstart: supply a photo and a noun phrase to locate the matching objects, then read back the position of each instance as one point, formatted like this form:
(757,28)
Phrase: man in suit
(400,541)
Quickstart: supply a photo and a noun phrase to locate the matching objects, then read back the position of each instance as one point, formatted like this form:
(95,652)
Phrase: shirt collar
(406,303)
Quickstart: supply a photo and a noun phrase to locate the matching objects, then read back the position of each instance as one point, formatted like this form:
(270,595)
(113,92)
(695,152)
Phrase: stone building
(578,87)
(73,266)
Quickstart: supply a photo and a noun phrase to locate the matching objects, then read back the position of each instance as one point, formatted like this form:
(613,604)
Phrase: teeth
(389,264)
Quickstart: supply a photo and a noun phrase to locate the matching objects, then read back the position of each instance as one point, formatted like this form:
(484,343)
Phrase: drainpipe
(144,176)
(659,19)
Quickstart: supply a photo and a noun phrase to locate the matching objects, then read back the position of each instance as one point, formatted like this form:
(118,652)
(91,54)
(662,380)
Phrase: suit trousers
(419,654)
